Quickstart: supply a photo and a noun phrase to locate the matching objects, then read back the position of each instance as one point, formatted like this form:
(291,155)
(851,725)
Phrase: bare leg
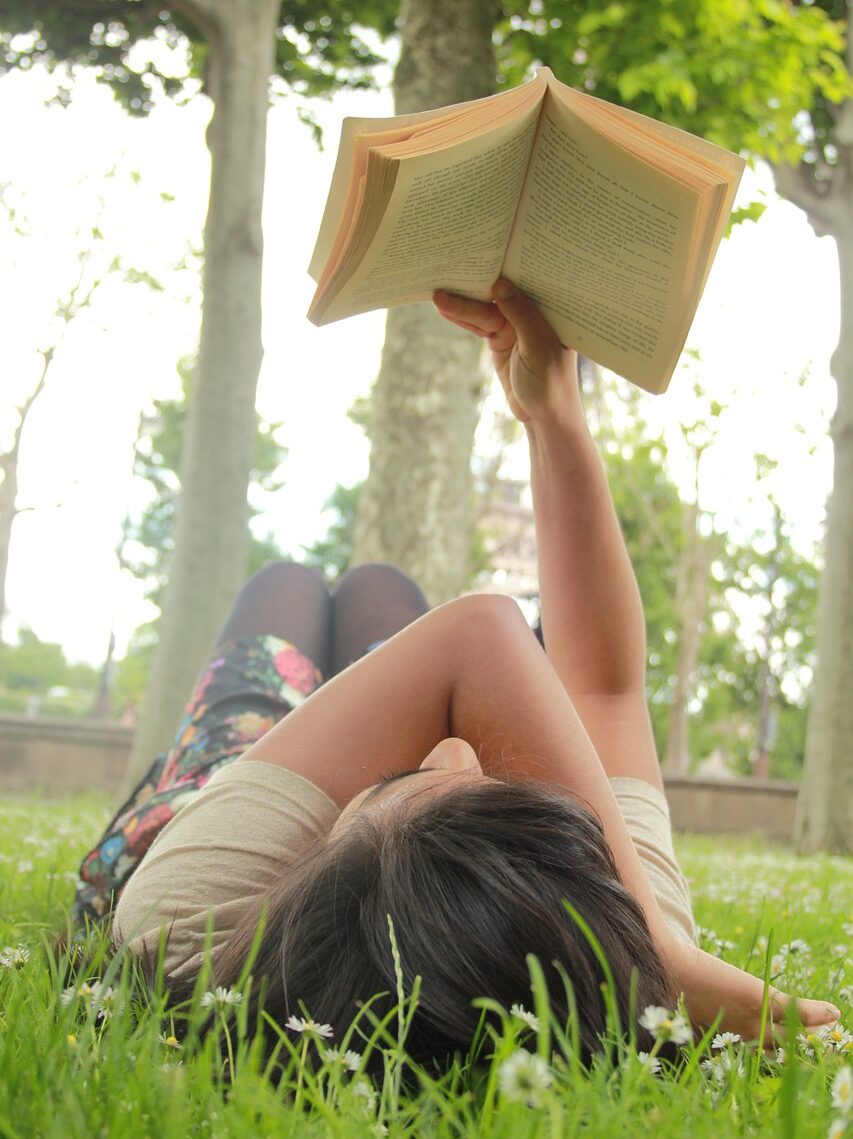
(289,601)
(370,604)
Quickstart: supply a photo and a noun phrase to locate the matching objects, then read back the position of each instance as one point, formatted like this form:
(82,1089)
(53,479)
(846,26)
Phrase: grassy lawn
(107,1060)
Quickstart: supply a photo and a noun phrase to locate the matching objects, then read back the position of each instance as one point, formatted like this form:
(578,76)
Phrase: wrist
(562,446)
(557,421)
(712,988)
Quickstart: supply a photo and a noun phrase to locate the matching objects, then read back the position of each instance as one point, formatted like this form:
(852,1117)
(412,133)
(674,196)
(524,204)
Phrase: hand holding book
(538,373)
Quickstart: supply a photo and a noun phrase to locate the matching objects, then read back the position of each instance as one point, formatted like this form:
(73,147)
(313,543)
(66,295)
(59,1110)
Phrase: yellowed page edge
(340,183)
(446,226)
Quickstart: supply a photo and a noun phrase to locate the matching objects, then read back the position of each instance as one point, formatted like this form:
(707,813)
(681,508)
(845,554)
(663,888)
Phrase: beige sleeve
(218,858)
(646,815)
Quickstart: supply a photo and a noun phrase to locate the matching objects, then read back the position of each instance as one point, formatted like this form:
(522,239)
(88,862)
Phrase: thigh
(289,601)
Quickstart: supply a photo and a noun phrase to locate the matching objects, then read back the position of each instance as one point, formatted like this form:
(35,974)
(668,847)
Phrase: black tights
(369,604)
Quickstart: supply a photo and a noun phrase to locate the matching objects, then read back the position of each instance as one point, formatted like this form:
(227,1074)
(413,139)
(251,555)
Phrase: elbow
(489,622)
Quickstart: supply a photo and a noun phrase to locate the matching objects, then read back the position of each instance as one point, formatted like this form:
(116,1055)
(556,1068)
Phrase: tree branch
(796,184)
(203,13)
(11,456)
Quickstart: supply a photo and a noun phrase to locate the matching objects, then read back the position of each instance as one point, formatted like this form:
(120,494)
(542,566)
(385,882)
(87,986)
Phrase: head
(473,872)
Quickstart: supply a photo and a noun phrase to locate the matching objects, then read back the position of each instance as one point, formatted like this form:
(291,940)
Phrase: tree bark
(824,818)
(825,807)
(692,607)
(414,509)
(9,509)
(8,513)
(761,759)
(211,525)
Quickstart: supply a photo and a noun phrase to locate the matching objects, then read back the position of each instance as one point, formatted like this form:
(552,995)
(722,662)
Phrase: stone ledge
(66,757)
(99,732)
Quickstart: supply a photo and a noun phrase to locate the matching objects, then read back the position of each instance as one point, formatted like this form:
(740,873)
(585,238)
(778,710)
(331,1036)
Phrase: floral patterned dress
(247,686)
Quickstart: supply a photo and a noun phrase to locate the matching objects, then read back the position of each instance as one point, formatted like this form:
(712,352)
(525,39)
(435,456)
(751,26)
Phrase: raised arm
(592,613)
(592,620)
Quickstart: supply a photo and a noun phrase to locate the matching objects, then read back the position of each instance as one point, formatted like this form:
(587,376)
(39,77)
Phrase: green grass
(66,1072)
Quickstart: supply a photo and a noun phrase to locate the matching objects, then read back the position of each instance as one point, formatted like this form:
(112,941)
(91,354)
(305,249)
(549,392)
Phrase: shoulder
(219,856)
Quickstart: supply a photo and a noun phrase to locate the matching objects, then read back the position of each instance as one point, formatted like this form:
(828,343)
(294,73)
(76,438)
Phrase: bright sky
(770,310)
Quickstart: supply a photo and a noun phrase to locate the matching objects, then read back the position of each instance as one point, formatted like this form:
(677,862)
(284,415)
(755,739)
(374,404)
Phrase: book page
(446,226)
(417,124)
(707,152)
(352,130)
(601,242)
(722,166)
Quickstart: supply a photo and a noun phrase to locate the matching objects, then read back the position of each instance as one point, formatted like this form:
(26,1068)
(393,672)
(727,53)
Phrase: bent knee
(278,575)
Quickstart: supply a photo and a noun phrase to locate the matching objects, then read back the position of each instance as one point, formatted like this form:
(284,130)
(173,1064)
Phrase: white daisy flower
(719,1067)
(781,1056)
(724,1039)
(797,946)
(363,1089)
(170,1041)
(837,1129)
(221,998)
(105,1001)
(14,957)
(842,1091)
(807,1041)
(524,1076)
(711,1068)
(649,1062)
(300,1024)
(666,1025)
(68,996)
(680,1032)
(838,1038)
(529,1018)
(349,1059)
(84,991)
(654,1018)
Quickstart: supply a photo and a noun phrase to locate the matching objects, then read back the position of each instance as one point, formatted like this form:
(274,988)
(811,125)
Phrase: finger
(463,324)
(810,1013)
(479,314)
(504,339)
(530,325)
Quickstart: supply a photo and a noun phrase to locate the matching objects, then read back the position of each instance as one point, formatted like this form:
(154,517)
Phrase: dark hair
(473,880)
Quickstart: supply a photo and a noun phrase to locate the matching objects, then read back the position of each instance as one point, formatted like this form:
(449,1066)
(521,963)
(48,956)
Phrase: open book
(608,219)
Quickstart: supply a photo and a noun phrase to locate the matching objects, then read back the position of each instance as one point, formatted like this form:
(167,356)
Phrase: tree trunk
(9,509)
(825,806)
(414,508)
(8,512)
(761,759)
(211,526)
(692,609)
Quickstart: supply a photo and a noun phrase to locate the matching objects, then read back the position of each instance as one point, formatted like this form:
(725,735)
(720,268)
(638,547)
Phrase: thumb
(530,325)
